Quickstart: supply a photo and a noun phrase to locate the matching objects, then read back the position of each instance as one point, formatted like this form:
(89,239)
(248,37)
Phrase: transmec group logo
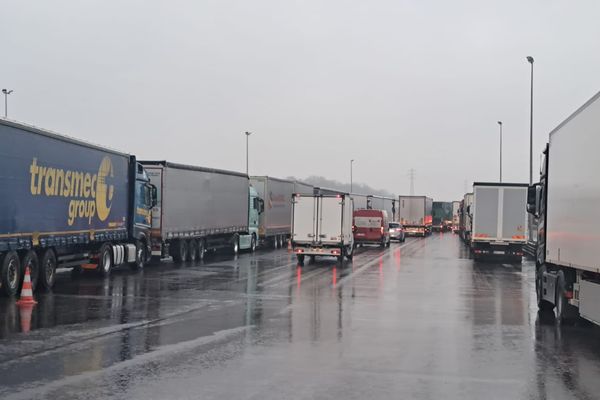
(90,194)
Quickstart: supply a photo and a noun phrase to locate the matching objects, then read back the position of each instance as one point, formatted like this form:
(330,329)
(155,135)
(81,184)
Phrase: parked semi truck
(441,215)
(68,203)
(200,210)
(275,222)
(565,202)
(466,218)
(455,216)
(499,220)
(415,213)
(322,226)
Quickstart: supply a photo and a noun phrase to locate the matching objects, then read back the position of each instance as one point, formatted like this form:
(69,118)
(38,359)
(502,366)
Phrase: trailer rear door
(305,218)
(513,216)
(330,220)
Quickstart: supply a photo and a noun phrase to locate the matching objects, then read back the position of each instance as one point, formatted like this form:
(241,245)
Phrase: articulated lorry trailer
(441,215)
(415,213)
(275,222)
(455,216)
(200,210)
(565,203)
(68,203)
(374,202)
(499,220)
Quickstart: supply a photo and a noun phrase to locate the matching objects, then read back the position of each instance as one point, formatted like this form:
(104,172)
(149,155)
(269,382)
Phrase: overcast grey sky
(393,84)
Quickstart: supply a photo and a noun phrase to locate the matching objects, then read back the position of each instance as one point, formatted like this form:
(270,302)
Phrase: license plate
(498,252)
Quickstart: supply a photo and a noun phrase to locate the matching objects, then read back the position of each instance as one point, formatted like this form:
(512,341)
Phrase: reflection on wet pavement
(418,320)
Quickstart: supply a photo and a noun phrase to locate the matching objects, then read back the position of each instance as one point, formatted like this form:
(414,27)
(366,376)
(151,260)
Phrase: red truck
(371,227)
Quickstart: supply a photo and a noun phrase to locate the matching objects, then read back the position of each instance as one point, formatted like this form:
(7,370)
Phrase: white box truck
(322,226)
(499,220)
(415,213)
(565,203)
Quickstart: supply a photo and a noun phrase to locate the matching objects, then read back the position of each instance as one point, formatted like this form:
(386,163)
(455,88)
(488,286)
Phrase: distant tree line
(358,188)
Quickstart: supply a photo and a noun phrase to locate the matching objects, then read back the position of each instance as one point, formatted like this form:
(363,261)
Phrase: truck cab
(256,206)
(144,199)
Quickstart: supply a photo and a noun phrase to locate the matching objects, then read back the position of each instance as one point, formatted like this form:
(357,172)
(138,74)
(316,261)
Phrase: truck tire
(566,314)
(275,242)
(31,260)
(382,242)
(253,243)
(300,258)
(235,245)
(180,250)
(140,256)
(350,253)
(10,270)
(201,249)
(340,258)
(192,250)
(543,305)
(47,274)
(105,260)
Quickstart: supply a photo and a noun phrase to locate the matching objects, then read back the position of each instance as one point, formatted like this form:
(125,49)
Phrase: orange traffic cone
(25,312)
(26,291)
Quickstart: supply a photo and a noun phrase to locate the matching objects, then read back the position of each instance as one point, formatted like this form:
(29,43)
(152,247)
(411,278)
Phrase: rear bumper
(497,249)
(310,250)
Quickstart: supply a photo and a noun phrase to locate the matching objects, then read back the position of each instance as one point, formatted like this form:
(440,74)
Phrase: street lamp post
(351,162)
(500,123)
(6,93)
(530,60)
(247,136)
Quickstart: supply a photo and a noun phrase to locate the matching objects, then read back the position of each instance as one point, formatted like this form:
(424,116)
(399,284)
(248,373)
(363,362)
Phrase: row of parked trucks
(67,203)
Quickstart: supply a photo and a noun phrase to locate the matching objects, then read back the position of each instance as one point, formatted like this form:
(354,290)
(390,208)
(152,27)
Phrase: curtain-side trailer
(68,203)
(201,209)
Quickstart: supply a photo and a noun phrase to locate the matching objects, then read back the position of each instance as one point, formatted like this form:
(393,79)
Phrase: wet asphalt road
(417,321)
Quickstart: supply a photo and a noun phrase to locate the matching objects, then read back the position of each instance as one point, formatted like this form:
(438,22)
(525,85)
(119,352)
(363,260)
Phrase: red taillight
(382,230)
(299,251)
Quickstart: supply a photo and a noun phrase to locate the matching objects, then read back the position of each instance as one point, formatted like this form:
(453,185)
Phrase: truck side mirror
(532,199)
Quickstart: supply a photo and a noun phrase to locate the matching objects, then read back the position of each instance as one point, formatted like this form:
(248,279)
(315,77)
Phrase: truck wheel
(201,249)
(382,243)
(275,242)
(340,258)
(180,250)
(192,250)
(10,271)
(253,243)
(105,260)
(350,252)
(543,305)
(47,273)
(235,245)
(388,243)
(300,258)
(31,260)
(566,314)
(140,256)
